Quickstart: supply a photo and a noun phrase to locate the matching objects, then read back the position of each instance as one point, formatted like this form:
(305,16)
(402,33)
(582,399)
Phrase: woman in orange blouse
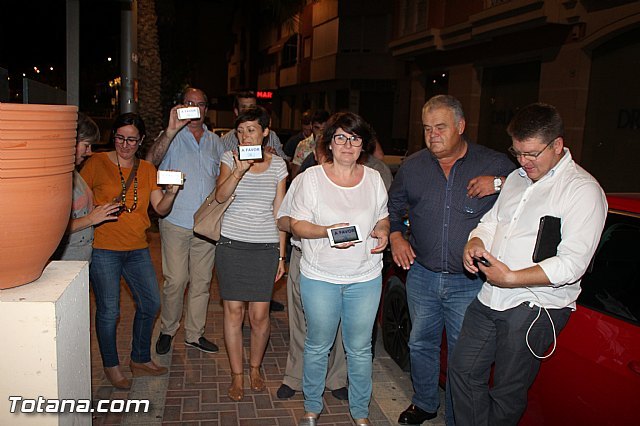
(120,247)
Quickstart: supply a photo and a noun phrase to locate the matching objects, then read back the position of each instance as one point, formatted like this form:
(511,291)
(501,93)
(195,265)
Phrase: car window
(612,283)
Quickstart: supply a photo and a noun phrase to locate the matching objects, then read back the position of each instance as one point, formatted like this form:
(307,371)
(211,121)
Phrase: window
(290,51)
(612,283)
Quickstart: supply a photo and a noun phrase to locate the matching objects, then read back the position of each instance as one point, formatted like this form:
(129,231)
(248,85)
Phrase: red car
(593,377)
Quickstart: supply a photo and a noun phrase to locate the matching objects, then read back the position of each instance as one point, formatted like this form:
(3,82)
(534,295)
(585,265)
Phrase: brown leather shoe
(139,369)
(116,378)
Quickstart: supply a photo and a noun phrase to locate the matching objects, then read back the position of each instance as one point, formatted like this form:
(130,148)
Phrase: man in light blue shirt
(187,146)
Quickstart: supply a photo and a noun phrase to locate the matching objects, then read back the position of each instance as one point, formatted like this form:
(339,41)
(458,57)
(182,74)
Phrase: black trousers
(489,336)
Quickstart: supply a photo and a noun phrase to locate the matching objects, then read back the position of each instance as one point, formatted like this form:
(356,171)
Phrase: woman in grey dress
(250,254)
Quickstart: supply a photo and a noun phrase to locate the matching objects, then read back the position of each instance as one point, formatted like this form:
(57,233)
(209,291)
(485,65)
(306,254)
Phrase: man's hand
(175,124)
(497,273)
(474,249)
(401,250)
(481,186)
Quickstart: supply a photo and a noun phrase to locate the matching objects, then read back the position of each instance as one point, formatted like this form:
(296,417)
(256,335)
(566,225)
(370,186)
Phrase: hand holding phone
(344,234)
(482,260)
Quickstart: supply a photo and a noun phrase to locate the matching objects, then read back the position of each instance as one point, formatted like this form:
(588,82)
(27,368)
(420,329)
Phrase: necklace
(123,197)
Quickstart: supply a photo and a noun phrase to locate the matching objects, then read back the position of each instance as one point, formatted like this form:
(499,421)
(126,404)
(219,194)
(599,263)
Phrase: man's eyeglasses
(355,141)
(119,139)
(531,156)
(198,104)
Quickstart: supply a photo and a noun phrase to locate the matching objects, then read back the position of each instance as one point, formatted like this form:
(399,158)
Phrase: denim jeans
(325,305)
(135,266)
(435,300)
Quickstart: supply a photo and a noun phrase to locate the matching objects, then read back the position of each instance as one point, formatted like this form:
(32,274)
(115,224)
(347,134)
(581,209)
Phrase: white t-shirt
(320,201)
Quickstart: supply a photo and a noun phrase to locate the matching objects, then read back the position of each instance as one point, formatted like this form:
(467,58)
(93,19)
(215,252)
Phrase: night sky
(33,34)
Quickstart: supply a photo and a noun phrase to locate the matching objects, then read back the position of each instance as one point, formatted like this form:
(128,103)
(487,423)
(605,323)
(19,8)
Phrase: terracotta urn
(37,146)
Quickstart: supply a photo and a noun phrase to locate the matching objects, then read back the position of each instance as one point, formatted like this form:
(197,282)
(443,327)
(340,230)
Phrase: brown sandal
(256,379)
(236,391)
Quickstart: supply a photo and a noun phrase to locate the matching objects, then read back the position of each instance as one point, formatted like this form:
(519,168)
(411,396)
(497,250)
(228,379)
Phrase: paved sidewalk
(194,391)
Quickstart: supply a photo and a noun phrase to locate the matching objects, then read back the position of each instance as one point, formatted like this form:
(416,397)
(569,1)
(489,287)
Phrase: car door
(594,376)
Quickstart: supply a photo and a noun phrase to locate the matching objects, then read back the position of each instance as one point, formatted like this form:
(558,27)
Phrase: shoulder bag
(207,220)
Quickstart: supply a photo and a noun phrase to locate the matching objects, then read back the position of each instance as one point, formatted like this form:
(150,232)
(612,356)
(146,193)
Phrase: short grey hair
(445,101)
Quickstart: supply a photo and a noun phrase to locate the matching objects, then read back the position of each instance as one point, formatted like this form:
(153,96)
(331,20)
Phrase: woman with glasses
(120,246)
(250,254)
(340,283)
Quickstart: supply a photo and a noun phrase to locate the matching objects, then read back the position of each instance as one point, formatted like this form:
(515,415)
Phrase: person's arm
(162,201)
(381,232)
(481,186)
(99,214)
(401,251)
(229,179)
(497,273)
(158,150)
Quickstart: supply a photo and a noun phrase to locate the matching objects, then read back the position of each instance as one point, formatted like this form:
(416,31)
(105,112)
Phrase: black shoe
(341,393)
(204,345)
(415,415)
(163,344)
(285,392)
(276,306)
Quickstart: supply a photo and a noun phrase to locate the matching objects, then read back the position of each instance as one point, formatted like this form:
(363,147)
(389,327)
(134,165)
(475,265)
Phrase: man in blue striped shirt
(445,188)
(188,146)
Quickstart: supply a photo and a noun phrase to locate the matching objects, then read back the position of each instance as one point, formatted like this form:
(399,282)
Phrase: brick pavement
(194,391)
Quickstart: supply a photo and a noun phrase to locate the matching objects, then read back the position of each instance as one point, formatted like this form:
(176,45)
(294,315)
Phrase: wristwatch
(497,183)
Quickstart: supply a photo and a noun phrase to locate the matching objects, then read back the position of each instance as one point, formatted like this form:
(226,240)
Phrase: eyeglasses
(531,156)
(340,139)
(198,104)
(119,139)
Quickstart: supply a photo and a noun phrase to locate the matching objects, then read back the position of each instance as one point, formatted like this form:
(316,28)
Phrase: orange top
(128,232)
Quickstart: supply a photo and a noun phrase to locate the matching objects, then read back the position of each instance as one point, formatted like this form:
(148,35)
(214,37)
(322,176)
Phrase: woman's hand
(281,270)
(341,245)
(381,232)
(103,213)
(171,189)
(383,240)
(242,166)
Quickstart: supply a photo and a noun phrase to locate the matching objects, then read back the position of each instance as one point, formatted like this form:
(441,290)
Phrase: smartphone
(169,177)
(188,113)
(249,152)
(482,260)
(344,234)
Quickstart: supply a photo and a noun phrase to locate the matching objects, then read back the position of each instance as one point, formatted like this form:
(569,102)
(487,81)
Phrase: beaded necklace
(123,197)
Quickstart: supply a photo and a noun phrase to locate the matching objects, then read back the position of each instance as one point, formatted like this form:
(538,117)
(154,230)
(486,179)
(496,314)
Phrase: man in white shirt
(500,325)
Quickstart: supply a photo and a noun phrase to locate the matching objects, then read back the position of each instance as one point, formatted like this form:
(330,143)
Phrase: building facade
(499,55)
(385,59)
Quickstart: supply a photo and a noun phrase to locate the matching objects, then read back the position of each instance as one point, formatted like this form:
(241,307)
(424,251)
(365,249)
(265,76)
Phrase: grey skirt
(246,271)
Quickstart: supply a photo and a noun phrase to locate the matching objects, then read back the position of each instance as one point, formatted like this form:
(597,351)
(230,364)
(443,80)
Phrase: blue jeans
(325,305)
(435,300)
(135,266)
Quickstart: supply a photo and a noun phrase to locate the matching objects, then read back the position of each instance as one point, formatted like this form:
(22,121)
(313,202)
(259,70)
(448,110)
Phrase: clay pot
(37,154)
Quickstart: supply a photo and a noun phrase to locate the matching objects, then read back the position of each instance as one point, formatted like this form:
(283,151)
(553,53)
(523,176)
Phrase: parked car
(594,375)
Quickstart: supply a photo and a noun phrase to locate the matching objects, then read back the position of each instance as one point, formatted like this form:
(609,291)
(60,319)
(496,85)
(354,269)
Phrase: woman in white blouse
(343,282)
